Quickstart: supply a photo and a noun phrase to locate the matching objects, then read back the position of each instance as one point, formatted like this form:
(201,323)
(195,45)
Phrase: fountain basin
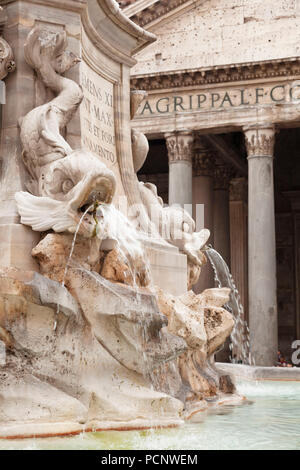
(256,373)
(272,421)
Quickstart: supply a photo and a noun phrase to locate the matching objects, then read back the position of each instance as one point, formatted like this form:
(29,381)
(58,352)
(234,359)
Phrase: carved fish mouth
(99,190)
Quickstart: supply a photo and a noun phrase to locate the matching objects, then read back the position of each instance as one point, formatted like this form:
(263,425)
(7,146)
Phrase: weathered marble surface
(84,337)
(202,322)
(217,28)
(62,380)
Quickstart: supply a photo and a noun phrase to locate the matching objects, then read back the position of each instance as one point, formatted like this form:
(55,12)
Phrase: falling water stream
(272,422)
(240,342)
(112,225)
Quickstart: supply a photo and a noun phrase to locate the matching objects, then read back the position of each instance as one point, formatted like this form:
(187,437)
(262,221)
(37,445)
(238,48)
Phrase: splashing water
(240,341)
(70,257)
(111,224)
(73,243)
(114,225)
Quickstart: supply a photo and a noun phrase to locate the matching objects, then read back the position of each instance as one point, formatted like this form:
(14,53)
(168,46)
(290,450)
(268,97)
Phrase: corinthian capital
(7,63)
(260,140)
(204,159)
(180,146)
(222,176)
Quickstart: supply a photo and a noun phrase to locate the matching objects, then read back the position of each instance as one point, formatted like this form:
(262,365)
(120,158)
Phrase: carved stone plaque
(97,116)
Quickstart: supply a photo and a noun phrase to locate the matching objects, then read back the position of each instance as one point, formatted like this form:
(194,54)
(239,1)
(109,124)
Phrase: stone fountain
(99,326)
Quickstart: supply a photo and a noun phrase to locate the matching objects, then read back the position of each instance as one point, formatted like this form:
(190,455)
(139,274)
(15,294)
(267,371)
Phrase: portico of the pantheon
(222,117)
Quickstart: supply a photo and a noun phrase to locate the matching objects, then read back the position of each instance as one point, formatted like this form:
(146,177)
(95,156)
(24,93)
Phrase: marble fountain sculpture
(93,339)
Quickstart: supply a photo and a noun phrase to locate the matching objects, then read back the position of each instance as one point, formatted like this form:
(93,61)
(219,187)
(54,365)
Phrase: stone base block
(169,269)
(16,243)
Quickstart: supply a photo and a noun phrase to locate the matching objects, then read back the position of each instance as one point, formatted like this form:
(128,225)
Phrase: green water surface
(272,421)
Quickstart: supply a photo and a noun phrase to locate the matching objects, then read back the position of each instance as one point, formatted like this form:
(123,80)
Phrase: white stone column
(262,250)
(180,152)
(221,218)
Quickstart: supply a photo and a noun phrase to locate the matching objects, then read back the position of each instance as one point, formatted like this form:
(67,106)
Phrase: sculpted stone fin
(43,213)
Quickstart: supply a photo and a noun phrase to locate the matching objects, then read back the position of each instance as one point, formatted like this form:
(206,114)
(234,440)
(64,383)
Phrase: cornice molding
(114,18)
(91,13)
(155,11)
(138,6)
(115,13)
(220,74)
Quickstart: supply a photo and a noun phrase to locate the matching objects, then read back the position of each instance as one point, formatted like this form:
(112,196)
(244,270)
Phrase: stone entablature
(230,73)
(215,98)
(221,106)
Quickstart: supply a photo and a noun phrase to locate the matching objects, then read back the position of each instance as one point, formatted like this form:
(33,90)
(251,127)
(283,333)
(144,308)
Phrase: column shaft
(180,148)
(221,226)
(203,203)
(262,249)
(239,239)
(180,183)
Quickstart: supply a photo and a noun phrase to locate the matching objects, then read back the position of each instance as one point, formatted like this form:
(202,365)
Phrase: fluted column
(262,250)
(180,151)
(221,226)
(239,238)
(203,202)
(221,231)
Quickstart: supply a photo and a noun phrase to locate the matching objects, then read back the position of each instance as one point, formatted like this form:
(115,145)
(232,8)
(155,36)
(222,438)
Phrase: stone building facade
(222,116)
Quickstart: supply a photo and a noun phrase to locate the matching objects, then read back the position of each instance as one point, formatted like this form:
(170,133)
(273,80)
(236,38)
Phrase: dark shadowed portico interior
(234,193)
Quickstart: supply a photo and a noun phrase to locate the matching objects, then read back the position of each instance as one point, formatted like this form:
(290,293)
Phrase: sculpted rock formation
(62,380)
(202,322)
(89,337)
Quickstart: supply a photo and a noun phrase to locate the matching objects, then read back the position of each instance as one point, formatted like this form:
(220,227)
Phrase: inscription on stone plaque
(97,115)
(220,98)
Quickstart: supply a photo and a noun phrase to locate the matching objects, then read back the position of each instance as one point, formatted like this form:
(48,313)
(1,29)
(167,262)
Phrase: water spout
(240,343)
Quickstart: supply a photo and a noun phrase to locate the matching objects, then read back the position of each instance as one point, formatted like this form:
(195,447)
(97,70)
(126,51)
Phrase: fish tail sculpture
(64,182)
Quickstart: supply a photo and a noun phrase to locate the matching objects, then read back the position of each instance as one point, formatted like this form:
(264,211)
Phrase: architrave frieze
(226,74)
